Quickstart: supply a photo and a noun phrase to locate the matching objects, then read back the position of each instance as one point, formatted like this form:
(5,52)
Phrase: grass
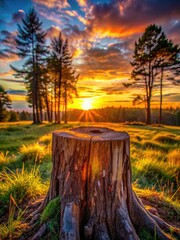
(21,185)
(32,152)
(155,161)
(14,226)
(174,157)
(4,157)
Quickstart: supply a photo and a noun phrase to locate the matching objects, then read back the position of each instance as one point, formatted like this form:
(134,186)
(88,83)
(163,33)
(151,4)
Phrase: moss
(51,210)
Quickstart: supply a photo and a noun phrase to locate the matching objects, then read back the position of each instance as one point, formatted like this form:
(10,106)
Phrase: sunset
(89,119)
(101,37)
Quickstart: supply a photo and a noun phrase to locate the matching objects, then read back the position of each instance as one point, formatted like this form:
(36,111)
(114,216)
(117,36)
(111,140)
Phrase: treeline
(109,114)
(47,70)
(15,116)
(170,116)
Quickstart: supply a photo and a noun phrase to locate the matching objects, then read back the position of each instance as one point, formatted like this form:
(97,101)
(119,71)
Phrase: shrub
(33,152)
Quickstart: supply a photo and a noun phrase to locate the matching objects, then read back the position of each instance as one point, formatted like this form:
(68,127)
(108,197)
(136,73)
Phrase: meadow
(26,162)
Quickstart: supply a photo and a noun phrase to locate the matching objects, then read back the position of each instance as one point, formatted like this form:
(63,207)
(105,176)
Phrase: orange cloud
(53,31)
(82,3)
(8,57)
(53,3)
(127,17)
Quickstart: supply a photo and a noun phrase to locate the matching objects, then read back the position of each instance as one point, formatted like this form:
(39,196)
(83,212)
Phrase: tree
(167,60)
(147,61)
(69,78)
(139,99)
(5,102)
(31,47)
(55,66)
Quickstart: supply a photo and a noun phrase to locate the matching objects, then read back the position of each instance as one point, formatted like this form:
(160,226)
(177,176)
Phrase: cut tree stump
(92,174)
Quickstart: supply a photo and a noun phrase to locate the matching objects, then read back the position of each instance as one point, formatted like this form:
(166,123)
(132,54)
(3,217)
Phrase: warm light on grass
(87,104)
(32,152)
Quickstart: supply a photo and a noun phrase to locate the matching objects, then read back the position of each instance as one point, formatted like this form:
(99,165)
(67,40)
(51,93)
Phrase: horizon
(101,37)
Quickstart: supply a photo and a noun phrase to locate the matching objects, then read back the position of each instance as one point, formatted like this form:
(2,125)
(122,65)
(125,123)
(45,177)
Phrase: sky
(101,35)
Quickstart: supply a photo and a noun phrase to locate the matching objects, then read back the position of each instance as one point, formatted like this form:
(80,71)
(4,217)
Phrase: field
(25,168)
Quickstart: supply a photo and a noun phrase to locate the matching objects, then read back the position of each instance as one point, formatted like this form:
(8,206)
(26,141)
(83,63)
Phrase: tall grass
(4,157)
(46,139)
(174,157)
(14,227)
(32,152)
(20,185)
(153,168)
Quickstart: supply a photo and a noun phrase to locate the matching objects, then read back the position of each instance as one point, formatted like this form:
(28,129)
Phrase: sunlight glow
(87,104)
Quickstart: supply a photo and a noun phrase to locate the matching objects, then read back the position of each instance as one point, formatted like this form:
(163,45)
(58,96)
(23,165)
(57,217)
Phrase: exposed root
(142,218)
(101,232)
(160,222)
(124,227)
(40,232)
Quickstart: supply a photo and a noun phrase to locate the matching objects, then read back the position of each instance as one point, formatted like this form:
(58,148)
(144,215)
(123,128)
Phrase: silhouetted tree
(152,53)
(55,66)
(5,102)
(167,60)
(69,78)
(31,47)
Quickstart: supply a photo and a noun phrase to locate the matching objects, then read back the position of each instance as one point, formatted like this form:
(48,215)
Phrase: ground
(25,167)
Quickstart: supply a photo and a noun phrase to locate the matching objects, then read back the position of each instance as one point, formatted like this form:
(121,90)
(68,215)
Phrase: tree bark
(92,174)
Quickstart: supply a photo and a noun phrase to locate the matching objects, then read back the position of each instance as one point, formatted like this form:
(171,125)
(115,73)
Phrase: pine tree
(31,47)
(55,66)
(69,78)
(5,102)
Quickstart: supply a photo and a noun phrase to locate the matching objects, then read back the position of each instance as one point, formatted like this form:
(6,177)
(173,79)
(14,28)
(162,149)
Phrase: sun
(86,104)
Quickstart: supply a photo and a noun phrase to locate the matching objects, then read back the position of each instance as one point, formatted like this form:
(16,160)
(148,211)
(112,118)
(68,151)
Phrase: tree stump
(92,174)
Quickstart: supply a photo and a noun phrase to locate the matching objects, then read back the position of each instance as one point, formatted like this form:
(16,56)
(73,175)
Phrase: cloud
(17,92)
(8,39)
(17,17)
(8,56)
(82,3)
(104,63)
(126,17)
(7,52)
(53,31)
(56,4)
(12,80)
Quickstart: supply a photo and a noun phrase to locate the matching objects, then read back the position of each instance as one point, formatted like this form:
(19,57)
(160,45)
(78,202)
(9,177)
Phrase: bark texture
(92,174)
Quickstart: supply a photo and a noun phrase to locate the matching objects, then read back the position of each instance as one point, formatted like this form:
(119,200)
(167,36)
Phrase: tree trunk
(160,103)
(148,111)
(92,174)
(65,105)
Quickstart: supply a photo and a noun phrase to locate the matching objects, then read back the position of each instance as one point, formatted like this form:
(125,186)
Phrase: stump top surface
(93,133)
